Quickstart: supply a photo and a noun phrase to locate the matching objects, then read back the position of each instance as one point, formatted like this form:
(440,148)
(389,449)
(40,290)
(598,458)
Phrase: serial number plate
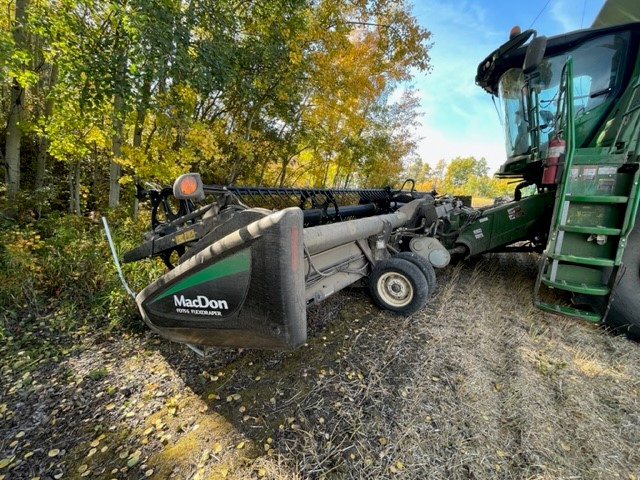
(186,236)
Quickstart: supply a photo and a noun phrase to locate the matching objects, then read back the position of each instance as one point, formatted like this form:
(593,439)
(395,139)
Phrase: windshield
(597,67)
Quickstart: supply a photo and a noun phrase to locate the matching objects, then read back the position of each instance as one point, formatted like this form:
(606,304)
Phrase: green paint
(236,263)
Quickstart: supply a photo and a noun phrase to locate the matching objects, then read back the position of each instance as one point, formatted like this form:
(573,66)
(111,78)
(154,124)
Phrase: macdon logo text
(192,305)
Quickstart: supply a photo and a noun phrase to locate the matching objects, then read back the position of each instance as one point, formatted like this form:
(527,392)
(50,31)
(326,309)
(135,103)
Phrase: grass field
(479,385)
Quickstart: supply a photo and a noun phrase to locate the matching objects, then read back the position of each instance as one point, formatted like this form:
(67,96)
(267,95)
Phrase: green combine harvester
(245,263)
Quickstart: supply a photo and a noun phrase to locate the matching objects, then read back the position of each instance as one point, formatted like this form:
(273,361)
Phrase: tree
(460,171)
(274,92)
(17,99)
(469,176)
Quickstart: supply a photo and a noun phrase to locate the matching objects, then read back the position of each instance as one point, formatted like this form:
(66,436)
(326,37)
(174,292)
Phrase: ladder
(595,208)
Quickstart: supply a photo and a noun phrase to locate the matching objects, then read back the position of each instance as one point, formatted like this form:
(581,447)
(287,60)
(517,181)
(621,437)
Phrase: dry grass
(480,385)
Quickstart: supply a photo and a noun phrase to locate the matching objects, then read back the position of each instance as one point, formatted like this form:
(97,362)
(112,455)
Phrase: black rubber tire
(624,312)
(399,286)
(425,267)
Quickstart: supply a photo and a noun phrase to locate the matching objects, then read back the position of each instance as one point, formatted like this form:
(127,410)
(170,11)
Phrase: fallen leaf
(54,452)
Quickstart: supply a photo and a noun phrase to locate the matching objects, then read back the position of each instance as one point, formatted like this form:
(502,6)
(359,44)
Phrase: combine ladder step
(590,230)
(578,287)
(596,262)
(573,312)
(597,198)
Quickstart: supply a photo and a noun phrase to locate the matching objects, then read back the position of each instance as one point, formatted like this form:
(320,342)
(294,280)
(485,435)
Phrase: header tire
(399,286)
(425,267)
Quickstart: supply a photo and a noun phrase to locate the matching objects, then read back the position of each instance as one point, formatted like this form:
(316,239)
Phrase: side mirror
(534,55)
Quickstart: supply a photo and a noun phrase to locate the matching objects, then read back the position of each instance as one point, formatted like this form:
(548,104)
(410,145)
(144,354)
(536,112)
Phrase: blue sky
(459,118)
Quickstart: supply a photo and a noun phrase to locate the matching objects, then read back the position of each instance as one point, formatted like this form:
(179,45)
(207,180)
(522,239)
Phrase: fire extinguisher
(553,162)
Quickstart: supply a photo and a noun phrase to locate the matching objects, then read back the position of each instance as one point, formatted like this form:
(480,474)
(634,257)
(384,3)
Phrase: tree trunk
(137,132)
(239,158)
(115,169)
(74,189)
(43,140)
(14,139)
(14,133)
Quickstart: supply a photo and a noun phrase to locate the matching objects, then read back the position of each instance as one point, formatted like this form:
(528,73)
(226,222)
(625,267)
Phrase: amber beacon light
(188,187)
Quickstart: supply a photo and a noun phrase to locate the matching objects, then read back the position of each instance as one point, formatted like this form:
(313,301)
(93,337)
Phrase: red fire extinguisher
(555,158)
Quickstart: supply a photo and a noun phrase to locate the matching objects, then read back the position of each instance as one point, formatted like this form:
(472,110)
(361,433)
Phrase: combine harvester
(246,262)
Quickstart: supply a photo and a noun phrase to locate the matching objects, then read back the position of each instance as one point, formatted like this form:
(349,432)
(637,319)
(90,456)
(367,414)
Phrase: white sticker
(590,172)
(484,219)
(575,173)
(478,233)
(607,170)
(555,152)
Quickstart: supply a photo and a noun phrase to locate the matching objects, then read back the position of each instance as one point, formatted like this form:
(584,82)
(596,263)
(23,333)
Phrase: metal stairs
(595,207)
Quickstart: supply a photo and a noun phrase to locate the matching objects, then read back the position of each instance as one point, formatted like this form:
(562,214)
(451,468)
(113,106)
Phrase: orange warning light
(188,185)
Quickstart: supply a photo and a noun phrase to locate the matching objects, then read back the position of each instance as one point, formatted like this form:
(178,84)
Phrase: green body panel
(237,263)
(508,223)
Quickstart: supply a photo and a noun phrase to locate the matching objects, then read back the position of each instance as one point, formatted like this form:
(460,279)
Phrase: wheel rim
(395,289)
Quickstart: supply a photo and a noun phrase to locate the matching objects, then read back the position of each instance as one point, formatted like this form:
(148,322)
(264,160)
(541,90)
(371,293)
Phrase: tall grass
(57,274)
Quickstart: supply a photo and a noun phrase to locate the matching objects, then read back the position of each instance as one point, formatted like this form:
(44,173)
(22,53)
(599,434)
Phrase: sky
(459,118)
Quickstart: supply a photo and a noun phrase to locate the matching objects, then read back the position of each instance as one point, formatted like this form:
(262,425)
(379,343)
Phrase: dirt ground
(479,385)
